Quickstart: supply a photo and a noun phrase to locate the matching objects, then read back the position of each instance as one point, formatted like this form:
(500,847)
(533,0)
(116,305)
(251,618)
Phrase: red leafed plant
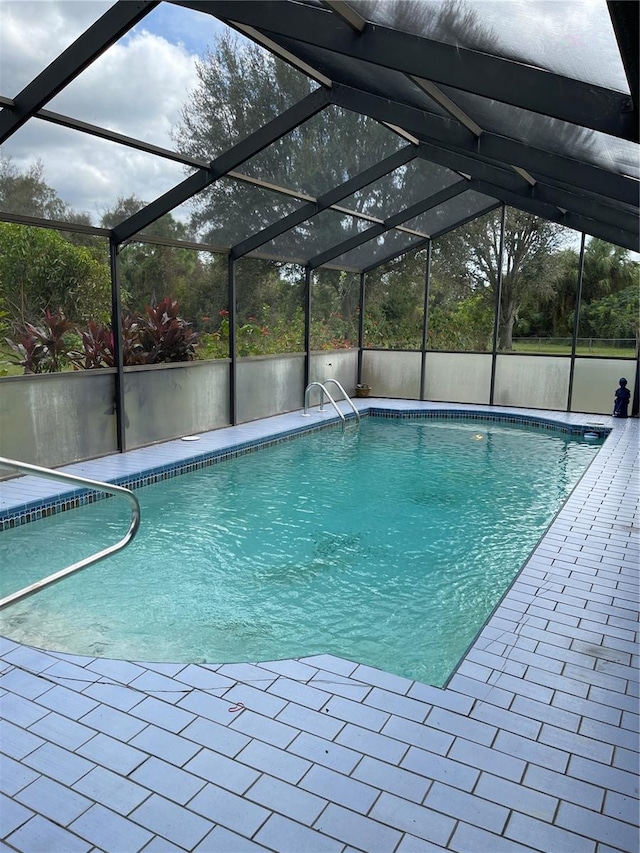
(42,349)
(158,335)
(165,336)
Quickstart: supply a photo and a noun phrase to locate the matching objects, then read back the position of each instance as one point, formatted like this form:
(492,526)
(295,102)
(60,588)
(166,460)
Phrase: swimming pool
(372,545)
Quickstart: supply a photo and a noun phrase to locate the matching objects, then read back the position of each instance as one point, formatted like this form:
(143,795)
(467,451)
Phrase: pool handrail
(347,398)
(109,488)
(323,391)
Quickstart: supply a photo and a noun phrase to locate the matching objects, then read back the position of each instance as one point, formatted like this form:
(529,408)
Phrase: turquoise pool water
(389,545)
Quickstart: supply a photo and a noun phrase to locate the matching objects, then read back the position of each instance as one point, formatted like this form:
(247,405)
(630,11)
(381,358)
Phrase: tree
(610,292)
(614,316)
(242,87)
(471,254)
(607,269)
(394,303)
(41,270)
(555,309)
(26,192)
(151,271)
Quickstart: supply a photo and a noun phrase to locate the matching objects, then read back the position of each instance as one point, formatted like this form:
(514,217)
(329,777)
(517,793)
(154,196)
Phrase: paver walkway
(533,745)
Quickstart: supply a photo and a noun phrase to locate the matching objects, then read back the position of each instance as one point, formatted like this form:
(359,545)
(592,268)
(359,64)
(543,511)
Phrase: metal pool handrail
(109,488)
(347,398)
(323,391)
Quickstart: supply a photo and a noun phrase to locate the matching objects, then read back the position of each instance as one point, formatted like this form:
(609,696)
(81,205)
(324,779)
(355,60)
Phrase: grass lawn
(564,349)
(7,368)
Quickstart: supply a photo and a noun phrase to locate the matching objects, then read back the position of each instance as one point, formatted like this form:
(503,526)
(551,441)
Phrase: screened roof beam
(434,92)
(280,51)
(121,139)
(368,176)
(115,22)
(596,228)
(393,221)
(401,132)
(625,18)
(500,149)
(376,220)
(492,77)
(230,160)
(598,201)
(524,174)
(585,206)
(153,240)
(54,224)
(561,194)
(400,252)
(464,163)
(430,89)
(497,180)
(344,11)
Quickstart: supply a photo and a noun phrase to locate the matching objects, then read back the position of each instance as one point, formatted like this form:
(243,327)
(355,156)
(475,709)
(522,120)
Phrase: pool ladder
(323,393)
(60,476)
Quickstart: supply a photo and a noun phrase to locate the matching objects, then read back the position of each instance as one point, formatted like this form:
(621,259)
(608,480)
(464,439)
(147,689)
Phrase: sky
(139,86)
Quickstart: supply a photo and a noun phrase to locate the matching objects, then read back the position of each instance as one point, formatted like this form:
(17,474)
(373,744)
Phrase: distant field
(7,369)
(6,366)
(585,346)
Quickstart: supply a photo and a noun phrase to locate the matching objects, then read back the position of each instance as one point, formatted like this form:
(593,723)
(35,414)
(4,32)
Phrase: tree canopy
(470,257)
(27,192)
(240,88)
(40,269)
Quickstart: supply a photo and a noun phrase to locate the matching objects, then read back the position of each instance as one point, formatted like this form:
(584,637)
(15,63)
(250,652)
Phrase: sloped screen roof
(326,133)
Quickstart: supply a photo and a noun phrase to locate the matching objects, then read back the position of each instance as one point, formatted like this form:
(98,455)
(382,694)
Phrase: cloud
(90,174)
(137,87)
(33,33)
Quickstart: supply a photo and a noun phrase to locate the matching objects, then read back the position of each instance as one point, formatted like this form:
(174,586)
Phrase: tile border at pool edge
(26,512)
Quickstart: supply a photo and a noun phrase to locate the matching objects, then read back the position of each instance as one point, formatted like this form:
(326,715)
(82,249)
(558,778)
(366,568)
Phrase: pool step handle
(323,392)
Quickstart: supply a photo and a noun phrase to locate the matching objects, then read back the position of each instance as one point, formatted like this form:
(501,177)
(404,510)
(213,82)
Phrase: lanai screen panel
(324,152)
(560,137)
(50,32)
(90,182)
(379,249)
(364,76)
(448,214)
(318,234)
(337,144)
(230,210)
(160,70)
(229,108)
(401,188)
(575,40)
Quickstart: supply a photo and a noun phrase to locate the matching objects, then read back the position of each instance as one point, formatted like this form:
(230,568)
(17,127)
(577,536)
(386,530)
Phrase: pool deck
(533,745)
